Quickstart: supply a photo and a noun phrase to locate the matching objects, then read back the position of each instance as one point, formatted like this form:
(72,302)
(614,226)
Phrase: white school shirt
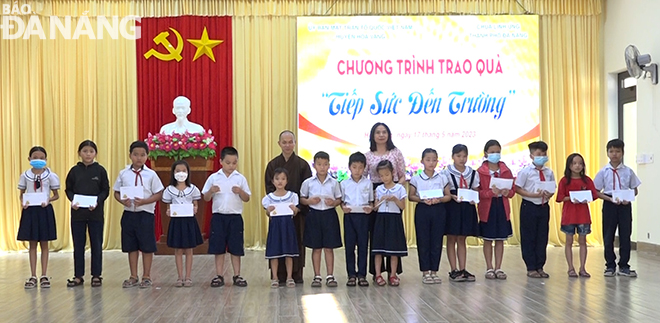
(358,193)
(172,195)
(313,187)
(527,179)
(624,179)
(227,202)
(390,207)
(49,181)
(289,197)
(467,176)
(150,185)
(423,182)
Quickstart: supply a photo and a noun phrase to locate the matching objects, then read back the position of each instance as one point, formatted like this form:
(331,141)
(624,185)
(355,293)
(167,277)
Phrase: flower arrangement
(182,145)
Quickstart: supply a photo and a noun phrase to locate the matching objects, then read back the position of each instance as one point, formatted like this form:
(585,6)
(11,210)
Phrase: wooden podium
(200,169)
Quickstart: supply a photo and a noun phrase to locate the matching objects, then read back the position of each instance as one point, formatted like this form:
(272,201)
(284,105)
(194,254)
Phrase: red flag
(187,56)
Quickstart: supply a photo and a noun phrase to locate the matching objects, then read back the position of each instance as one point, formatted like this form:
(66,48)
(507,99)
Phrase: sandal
(97,281)
(76,281)
(490,274)
(427,279)
(584,273)
(290,283)
(219,281)
(534,274)
(273,283)
(330,281)
(316,282)
(543,273)
(187,282)
(572,273)
(130,282)
(239,281)
(394,280)
(31,283)
(380,281)
(468,276)
(146,283)
(436,279)
(363,282)
(179,283)
(500,274)
(351,282)
(44,282)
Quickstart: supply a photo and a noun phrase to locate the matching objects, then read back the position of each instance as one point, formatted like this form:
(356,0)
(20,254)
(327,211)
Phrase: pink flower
(213,145)
(167,147)
(152,146)
(202,146)
(189,146)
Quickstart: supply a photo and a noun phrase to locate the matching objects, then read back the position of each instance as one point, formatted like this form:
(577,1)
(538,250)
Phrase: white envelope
(84,201)
(623,195)
(430,194)
(321,205)
(357,208)
(225,186)
(131,192)
(281,209)
(467,195)
(182,210)
(35,199)
(581,196)
(545,186)
(501,183)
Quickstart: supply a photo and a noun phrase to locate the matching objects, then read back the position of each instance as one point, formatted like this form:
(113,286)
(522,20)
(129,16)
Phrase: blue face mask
(38,163)
(540,160)
(494,158)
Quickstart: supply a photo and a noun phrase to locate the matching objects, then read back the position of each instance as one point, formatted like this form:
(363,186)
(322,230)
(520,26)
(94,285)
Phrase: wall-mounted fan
(640,65)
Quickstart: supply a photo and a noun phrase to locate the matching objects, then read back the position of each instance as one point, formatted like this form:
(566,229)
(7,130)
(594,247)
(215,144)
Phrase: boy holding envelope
(613,180)
(536,184)
(138,188)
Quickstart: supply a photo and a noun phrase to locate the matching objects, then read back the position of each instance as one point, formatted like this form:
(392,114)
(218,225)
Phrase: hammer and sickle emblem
(173,53)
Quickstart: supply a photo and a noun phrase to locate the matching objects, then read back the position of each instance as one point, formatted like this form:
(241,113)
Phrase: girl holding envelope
(494,208)
(575,217)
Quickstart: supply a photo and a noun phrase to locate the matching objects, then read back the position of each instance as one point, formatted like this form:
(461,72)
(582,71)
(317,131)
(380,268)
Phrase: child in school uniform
(38,221)
(389,237)
(575,217)
(461,215)
(430,216)
(183,233)
(534,210)
(357,203)
(617,214)
(281,241)
(137,221)
(321,192)
(229,190)
(87,178)
(494,209)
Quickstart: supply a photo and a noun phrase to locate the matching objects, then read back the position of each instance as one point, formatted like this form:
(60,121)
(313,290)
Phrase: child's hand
(428,201)
(496,191)
(455,198)
(270,209)
(127,203)
(368,209)
(294,208)
(92,207)
(329,201)
(346,209)
(195,208)
(575,201)
(625,202)
(615,201)
(138,202)
(473,203)
(314,200)
(547,195)
(45,204)
(391,198)
(504,192)
(74,206)
(236,190)
(25,206)
(214,189)
(585,202)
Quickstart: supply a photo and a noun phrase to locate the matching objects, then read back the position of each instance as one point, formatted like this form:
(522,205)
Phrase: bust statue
(181,110)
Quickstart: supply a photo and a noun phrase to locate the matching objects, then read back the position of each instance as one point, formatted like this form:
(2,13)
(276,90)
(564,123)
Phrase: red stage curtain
(206,83)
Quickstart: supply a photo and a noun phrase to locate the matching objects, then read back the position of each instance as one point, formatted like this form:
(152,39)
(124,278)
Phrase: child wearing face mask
(534,209)
(183,233)
(38,218)
(494,209)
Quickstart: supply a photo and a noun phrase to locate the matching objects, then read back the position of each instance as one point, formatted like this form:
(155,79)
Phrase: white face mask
(181,176)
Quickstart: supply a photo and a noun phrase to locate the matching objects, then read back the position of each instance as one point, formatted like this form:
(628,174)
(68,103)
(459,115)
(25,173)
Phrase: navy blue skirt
(37,224)
(497,227)
(184,232)
(389,237)
(281,241)
(462,219)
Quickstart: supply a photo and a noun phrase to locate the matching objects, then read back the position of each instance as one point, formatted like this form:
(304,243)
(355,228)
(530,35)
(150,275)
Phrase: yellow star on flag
(204,45)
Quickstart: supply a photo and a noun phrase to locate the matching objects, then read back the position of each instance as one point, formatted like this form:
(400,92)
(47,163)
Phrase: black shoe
(456,276)
(468,276)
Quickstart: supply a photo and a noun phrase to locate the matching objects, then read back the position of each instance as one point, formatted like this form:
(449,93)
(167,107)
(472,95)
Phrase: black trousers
(617,216)
(534,228)
(79,231)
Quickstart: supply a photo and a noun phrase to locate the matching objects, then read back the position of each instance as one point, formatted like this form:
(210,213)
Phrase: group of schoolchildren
(381,236)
